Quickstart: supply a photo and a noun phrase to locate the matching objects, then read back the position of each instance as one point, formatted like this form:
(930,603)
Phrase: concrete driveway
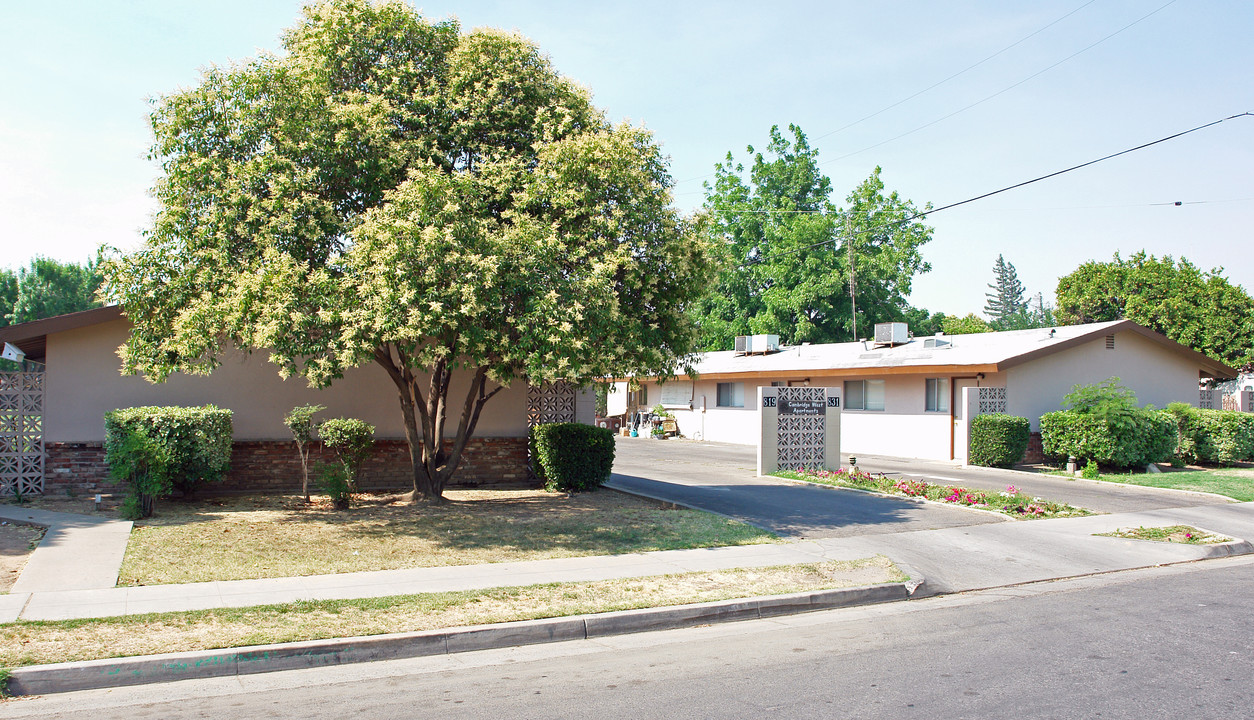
(722,478)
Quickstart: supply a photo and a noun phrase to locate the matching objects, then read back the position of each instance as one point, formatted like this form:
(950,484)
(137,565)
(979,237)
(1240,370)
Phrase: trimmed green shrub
(333,480)
(196,441)
(571,457)
(1102,423)
(1221,437)
(1135,439)
(143,465)
(352,440)
(998,440)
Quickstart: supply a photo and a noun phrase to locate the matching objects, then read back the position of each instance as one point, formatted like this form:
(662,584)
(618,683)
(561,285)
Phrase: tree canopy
(968,325)
(1195,307)
(1199,309)
(391,190)
(45,288)
(785,249)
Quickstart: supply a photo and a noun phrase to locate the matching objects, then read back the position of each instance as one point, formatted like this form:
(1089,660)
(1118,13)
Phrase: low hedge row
(998,440)
(194,442)
(571,456)
(1127,440)
(1221,437)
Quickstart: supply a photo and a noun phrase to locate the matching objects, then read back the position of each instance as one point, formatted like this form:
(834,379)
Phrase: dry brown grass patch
(28,643)
(230,538)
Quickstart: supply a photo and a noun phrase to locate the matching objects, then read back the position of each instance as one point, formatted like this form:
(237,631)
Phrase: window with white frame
(731,395)
(937,395)
(864,394)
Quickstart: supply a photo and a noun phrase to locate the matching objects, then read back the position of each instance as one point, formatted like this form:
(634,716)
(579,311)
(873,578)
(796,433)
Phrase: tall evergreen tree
(1006,301)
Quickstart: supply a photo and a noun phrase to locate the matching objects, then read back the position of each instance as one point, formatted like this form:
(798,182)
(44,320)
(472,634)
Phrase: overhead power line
(1004,90)
(964,71)
(933,211)
(976,103)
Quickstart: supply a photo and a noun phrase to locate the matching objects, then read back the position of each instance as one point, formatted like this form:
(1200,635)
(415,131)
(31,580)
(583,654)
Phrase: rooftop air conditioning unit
(896,333)
(757,344)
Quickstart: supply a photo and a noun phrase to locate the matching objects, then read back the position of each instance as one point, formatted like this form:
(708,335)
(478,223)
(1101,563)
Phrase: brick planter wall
(1035,452)
(272,466)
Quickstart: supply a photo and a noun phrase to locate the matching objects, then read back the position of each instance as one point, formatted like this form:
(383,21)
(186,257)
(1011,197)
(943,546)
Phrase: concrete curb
(121,672)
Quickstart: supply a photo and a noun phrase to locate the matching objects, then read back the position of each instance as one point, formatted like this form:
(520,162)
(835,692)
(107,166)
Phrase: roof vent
(895,333)
(935,342)
(756,344)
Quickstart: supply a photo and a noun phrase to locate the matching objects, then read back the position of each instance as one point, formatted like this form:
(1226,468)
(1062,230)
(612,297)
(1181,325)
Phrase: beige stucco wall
(83,383)
(1157,375)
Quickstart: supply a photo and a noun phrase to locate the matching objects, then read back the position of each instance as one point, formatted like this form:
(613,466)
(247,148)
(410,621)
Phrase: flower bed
(1009,501)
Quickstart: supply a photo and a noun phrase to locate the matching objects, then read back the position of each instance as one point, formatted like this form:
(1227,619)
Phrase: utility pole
(853,277)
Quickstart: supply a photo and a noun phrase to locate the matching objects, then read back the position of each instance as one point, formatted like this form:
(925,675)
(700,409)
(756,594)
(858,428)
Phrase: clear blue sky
(709,77)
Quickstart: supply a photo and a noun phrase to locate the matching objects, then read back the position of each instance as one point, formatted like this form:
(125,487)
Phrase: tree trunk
(432,466)
(304,469)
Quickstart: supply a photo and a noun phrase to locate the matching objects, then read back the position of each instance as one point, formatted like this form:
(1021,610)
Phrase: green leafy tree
(8,295)
(46,288)
(784,249)
(967,325)
(390,190)
(300,421)
(1199,309)
(921,321)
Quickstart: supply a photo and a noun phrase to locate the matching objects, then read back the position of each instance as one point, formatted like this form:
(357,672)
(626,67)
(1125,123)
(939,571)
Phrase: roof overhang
(31,337)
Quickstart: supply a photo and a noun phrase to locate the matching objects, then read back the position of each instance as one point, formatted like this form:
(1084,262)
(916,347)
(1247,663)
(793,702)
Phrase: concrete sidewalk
(78,552)
(952,560)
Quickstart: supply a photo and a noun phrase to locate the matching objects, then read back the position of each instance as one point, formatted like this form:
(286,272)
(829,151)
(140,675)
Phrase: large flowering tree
(390,190)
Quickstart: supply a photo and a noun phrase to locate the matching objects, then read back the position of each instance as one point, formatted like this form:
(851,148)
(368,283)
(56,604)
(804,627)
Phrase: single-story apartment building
(52,415)
(905,398)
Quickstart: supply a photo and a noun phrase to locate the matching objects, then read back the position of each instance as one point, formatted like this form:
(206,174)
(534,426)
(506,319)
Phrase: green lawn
(1236,483)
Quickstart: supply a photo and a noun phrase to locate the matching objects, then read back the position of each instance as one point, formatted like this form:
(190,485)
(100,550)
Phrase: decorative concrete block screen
(22,430)
(992,400)
(799,428)
(1209,400)
(550,403)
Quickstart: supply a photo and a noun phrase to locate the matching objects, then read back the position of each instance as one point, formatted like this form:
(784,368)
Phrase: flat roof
(976,352)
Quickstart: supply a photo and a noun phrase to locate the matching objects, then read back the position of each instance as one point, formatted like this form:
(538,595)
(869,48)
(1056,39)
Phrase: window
(937,395)
(864,394)
(731,394)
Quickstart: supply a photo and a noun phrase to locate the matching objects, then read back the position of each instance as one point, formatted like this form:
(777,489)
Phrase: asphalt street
(1160,642)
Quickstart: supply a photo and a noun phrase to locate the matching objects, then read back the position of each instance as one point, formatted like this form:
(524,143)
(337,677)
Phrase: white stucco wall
(902,429)
(83,383)
(1157,375)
